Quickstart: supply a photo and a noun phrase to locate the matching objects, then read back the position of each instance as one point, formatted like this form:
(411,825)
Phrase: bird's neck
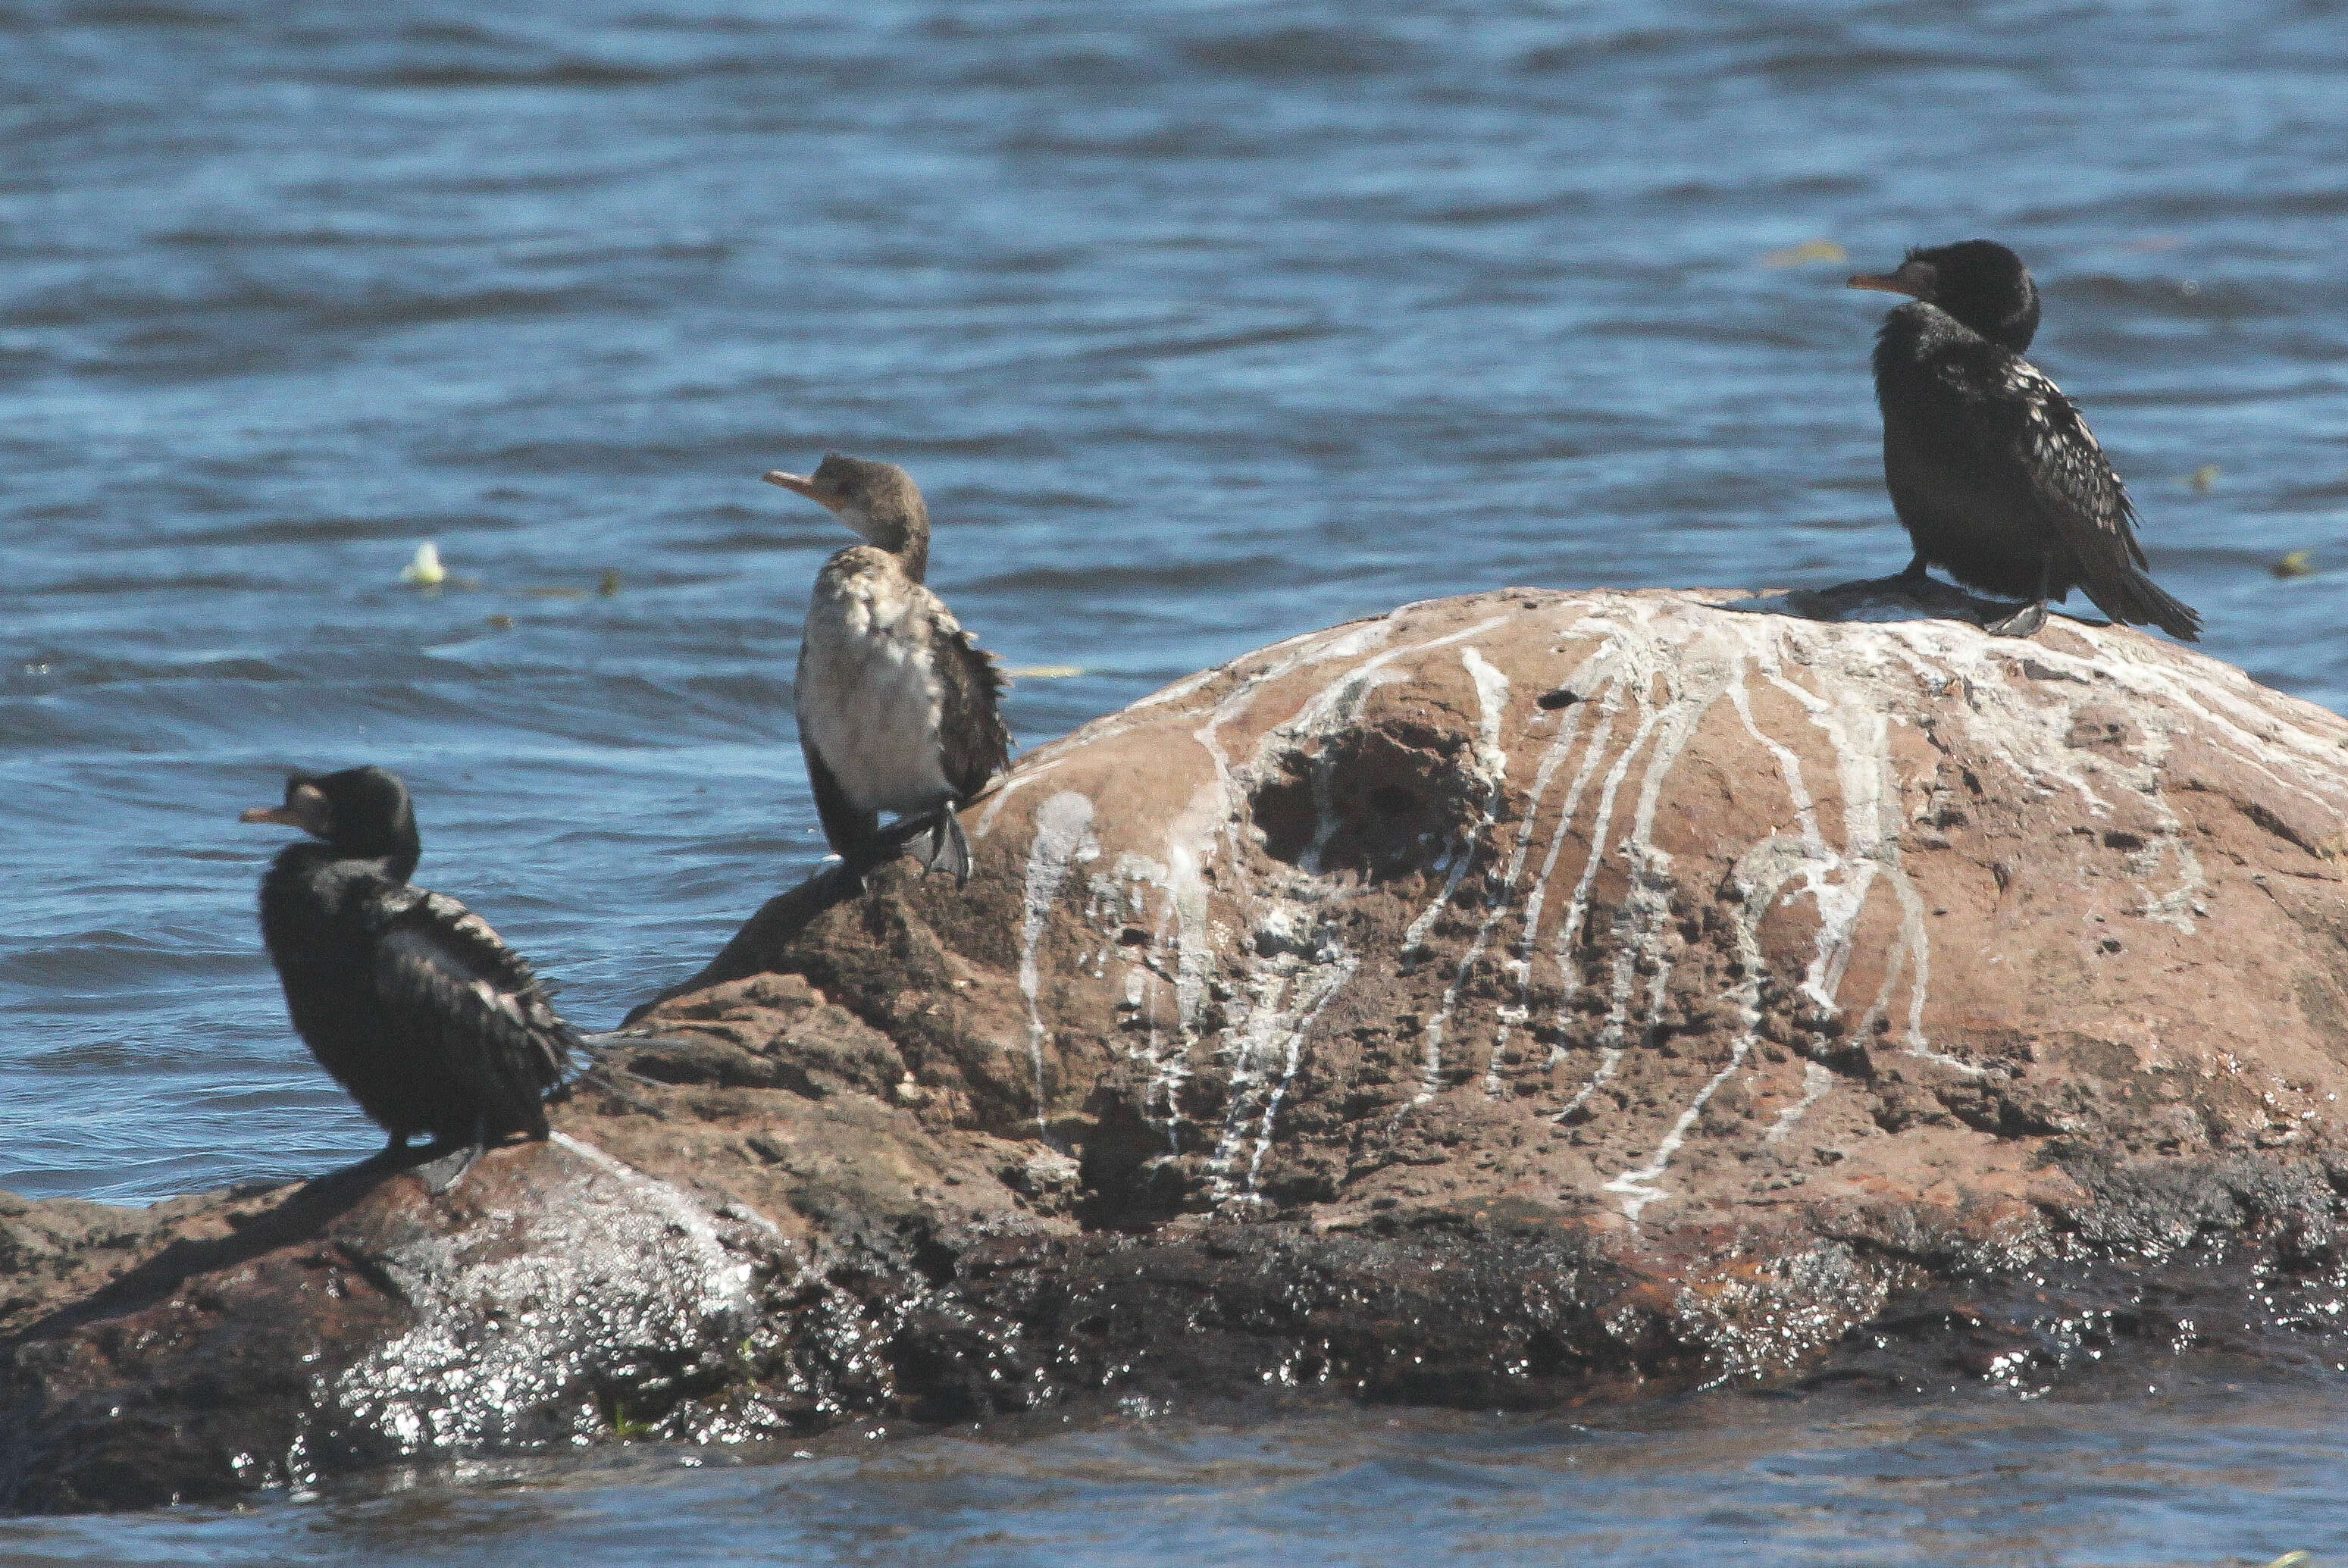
(903,532)
(913,552)
(1919,329)
(311,862)
(914,555)
(2010,328)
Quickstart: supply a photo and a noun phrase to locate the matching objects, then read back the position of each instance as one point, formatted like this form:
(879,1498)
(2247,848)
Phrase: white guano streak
(1492,762)
(1286,988)
(1520,967)
(1133,876)
(1760,876)
(1689,688)
(1859,733)
(1062,837)
(1298,965)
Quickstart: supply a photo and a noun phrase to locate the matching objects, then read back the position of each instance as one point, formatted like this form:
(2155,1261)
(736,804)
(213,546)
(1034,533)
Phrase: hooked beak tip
(798,484)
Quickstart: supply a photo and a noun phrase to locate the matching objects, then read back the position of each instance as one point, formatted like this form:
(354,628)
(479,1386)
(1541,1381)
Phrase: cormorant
(896,702)
(414,1005)
(1992,470)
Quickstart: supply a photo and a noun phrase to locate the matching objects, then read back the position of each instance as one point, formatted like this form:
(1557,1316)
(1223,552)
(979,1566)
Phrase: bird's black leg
(1918,570)
(2026,622)
(440,1175)
(864,857)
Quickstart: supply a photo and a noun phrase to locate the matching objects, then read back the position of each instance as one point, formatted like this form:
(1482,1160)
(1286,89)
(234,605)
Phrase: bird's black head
(879,500)
(1979,282)
(362,814)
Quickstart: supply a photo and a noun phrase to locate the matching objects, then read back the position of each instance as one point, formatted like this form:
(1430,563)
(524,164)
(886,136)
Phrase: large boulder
(1509,1000)
(1672,908)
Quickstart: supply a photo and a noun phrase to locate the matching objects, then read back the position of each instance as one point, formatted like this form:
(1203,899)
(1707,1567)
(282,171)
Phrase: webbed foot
(947,849)
(441,1174)
(2024,623)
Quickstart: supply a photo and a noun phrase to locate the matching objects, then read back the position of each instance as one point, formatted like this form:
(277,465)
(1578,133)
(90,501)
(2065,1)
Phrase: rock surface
(264,1338)
(1509,1000)
(1670,913)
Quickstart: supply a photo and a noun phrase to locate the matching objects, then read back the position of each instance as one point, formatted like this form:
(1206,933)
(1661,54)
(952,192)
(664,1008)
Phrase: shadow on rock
(1888,599)
(306,1211)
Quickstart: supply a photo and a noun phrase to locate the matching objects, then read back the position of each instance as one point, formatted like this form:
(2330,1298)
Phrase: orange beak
(1915,278)
(282,815)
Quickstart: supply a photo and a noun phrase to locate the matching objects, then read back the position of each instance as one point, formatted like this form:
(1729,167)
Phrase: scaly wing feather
(2074,483)
(473,1008)
(971,684)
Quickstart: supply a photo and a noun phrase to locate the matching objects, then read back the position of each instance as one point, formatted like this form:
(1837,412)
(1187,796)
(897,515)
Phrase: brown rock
(1624,900)
(1510,1000)
(266,1338)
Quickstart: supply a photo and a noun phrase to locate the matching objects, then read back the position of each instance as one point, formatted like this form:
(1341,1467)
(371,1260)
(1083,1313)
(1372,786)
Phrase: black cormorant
(415,1006)
(896,702)
(1992,470)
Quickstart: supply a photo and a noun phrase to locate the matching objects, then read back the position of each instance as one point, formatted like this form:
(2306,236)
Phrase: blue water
(2184,1479)
(1201,324)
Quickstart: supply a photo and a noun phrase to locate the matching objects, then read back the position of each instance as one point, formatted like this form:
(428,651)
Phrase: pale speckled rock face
(1653,907)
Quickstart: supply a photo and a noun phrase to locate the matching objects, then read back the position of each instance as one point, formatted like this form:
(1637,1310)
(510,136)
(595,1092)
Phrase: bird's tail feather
(2134,599)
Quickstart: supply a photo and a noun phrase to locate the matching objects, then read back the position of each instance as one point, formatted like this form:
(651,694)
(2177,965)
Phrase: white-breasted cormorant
(414,1005)
(1992,470)
(896,702)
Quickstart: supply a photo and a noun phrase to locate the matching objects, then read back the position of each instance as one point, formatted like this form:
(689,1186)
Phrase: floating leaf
(556,593)
(2205,478)
(500,623)
(1806,252)
(425,571)
(2298,563)
(610,585)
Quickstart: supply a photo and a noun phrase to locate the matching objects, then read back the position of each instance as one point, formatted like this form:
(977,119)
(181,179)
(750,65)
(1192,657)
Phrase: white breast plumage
(869,697)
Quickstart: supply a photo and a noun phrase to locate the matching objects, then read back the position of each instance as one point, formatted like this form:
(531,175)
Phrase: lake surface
(2204,1475)
(1201,324)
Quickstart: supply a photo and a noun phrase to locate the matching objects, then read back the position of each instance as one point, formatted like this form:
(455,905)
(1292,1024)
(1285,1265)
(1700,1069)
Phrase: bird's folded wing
(445,977)
(970,720)
(2072,481)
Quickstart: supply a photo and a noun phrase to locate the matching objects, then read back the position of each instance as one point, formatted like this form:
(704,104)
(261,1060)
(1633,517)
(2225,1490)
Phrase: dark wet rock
(354,1321)
(1508,1002)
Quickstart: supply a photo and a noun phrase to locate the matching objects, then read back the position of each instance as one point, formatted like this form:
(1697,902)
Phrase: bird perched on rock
(1992,470)
(897,704)
(409,998)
